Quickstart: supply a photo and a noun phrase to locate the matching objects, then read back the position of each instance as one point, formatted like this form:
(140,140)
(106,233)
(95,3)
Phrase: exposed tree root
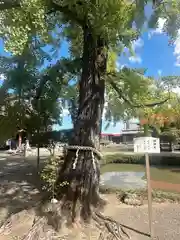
(16,218)
(110,229)
(79,199)
(40,230)
(105,228)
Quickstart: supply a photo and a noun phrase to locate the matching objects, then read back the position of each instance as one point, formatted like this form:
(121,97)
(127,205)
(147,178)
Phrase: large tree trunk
(84,179)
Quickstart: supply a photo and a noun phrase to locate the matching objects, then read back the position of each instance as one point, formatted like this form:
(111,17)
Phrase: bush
(158,159)
(124,158)
(157,195)
(50,172)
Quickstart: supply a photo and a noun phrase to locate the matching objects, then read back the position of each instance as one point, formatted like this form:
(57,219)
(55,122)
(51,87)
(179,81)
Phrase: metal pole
(149,193)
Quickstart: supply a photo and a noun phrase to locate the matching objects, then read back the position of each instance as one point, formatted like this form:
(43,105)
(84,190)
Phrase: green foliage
(49,174)
(113,20)
(117,22)
(24,79)
(140,159)
(171,135)
(139,90)
(19,24)
(157,195)
(165,117)
(112,59)
(135,89)
(124,158)
(169,11)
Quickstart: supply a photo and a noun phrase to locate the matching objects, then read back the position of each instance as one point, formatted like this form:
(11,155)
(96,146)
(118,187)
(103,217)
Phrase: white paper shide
(147,145)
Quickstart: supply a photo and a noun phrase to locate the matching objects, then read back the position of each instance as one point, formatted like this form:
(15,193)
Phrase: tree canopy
(119,22)
(30,100)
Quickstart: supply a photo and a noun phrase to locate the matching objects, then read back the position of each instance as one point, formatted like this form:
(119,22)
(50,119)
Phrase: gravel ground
(166,219)
(18,189)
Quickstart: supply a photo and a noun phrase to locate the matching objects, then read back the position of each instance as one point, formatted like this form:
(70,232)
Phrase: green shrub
(50,172)
(157,195)
(124,158)
(140,159)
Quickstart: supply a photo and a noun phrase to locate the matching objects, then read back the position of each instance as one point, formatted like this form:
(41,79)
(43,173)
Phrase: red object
(143,121)
(110,134)
(154,117)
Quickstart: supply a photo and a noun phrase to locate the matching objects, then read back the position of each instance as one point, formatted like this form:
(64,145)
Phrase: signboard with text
(146,145)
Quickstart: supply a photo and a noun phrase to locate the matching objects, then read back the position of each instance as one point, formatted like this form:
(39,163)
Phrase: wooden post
(149,193)
(38,151)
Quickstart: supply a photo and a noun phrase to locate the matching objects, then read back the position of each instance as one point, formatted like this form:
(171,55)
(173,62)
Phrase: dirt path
(165,186)
(20,189)
(166,219)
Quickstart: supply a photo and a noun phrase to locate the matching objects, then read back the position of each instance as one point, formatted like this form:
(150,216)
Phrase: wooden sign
(147,145)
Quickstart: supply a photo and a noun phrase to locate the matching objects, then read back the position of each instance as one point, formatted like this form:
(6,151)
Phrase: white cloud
(105,106)
(65,112)
(177,44)
(177,49)
(176,90)
(120,66)
(112,129)
(136,45)
(135,59)
(177,63)
(139,43)
(159,72)
(159,29)
(2,77)
(104,113)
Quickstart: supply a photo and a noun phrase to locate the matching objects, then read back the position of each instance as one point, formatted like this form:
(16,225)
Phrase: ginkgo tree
(98,27)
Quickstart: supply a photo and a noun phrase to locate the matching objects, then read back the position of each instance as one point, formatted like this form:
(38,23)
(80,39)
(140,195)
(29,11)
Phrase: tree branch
(9,4)
(65,10)
(53,7)
(121,95)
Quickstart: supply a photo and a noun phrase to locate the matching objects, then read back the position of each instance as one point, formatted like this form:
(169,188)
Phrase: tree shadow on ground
(20,185)
(21,189)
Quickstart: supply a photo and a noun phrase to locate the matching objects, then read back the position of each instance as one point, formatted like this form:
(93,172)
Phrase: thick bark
(84,179)
(91,90)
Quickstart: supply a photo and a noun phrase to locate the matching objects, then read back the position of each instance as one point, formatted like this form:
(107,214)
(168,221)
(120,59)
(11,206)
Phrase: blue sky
(152,52)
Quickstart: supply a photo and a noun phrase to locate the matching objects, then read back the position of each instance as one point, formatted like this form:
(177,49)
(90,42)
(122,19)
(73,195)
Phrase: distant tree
(30,99)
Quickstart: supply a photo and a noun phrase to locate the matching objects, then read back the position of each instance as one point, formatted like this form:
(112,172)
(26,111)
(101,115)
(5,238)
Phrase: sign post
(148,176)
(147,145)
